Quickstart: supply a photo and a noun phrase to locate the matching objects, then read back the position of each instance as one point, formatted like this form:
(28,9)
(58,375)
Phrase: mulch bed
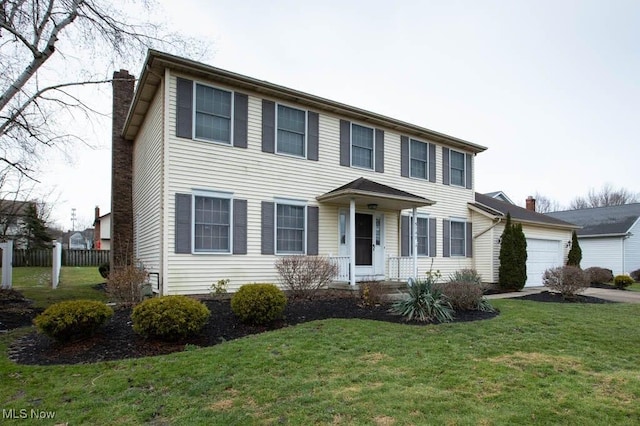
(116,340)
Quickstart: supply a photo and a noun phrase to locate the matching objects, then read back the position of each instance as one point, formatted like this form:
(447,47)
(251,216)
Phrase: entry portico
(362,194)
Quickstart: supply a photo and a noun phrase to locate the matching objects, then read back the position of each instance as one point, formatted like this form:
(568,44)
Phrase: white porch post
(352,242)
(414,239)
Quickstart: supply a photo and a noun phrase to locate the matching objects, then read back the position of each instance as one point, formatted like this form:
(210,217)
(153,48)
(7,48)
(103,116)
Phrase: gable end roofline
(157,62)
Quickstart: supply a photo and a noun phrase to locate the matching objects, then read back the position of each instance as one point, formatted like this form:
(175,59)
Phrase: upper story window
(211,224)
(212,114)
(290,228)
(362,146)
(458,238)
(292,123)
(458,168)
(419,159)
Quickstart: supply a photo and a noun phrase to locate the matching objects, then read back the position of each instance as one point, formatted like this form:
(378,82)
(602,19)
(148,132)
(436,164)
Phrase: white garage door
(541,255)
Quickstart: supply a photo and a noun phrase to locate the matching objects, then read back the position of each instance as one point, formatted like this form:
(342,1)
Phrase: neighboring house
(610,236)
(548,238)
(499,195)
(79,240)
(12,220)
(227,173)
(102,230)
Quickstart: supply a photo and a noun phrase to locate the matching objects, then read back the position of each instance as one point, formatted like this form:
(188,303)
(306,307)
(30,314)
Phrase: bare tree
(606,196)
(43,51)
(545,204)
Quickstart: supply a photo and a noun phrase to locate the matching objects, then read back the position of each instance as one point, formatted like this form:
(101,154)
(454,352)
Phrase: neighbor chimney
(531,203)
(96,229)
(121,173)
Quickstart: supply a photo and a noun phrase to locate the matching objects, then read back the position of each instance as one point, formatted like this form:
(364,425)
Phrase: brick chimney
(121,173)
(531,203)
(96,229)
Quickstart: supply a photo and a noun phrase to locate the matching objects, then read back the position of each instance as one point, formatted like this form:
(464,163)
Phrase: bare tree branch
(606,196)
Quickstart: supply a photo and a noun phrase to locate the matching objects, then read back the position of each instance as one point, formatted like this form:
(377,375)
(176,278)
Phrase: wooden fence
(43,257)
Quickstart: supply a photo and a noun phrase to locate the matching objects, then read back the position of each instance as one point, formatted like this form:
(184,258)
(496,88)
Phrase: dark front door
(364,239)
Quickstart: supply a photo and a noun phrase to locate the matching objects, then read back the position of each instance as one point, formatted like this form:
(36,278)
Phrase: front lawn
(542,363)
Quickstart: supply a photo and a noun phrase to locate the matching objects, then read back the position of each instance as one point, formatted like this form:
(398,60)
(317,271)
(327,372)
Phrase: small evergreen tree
(520,247)
(506,272)
(575,254)
(35,229)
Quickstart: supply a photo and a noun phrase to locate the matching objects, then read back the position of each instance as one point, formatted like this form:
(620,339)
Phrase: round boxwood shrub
(258,303)
(622,281)
(73,319)
(169,317)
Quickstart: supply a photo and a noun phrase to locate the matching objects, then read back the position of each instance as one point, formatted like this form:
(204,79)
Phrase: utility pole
(73,219)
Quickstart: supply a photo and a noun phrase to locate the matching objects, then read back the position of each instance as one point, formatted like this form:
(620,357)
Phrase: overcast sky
(552,88)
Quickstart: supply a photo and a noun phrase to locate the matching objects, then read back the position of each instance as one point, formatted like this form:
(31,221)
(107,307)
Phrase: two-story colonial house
(216,175)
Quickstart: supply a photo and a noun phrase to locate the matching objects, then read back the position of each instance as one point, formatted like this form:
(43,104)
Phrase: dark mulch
(118,341)
(15,310)
(547,296)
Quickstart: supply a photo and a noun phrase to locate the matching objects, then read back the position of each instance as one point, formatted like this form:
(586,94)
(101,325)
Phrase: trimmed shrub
(463,296)
(622,281)
(169,318)
(73,319)
(104,270)
(567,280)
(371,293)
(575,253)
(125,283)
(512,274)
(599,275)
(303,276)
(466,276)
(258,303)
(424,302)
(635,275)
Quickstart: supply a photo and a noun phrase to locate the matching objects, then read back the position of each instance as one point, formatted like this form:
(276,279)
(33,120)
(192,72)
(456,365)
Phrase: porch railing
(399,267)
(342,262)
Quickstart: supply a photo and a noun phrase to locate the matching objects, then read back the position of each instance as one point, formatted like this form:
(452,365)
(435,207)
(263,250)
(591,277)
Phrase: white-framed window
(212,222)
(418,159)
(212,113)
(362,146)
(457,166)
(291,125)
(423,235)
(290,227)
(458,238)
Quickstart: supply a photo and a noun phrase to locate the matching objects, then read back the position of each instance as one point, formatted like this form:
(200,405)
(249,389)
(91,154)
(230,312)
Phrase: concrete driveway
(623,296)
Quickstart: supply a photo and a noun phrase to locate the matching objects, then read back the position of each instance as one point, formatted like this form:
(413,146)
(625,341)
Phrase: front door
(364,242)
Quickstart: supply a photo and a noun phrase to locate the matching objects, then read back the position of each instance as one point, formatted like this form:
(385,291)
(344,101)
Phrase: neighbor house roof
(157,62)
(498,208)
(500,196)
(602,221)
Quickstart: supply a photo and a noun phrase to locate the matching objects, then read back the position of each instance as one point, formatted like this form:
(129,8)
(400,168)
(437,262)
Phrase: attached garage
(542,255)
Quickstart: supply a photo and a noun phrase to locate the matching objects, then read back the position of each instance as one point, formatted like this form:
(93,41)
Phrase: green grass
(537,363)
(75,283)
(634,287)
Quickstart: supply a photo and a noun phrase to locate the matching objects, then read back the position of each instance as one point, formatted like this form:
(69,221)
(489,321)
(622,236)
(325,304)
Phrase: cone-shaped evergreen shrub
(575,254)
(513,257)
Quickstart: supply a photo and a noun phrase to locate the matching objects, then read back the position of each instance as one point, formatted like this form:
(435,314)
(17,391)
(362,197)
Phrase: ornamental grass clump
(258,303)
(73,319)
(424,302)
(169,318)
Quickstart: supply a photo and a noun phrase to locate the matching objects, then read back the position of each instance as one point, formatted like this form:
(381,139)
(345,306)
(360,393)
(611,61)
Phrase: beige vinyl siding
(483,246)
(256,176)
(147,187)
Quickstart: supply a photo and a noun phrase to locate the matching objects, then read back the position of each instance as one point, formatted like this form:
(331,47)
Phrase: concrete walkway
(623,296)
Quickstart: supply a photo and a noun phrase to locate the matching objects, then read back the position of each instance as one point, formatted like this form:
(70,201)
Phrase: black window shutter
(445,166)
(446,243)
(469,236)
(183,223)
(404,156)
(432,162)
(379,150)
(433,251)
(405,237)
(239,226)
(345,143)
(268,126)
(312,230)
(313,135)
(240,119)
(469,171)
(268,222)
(184,108)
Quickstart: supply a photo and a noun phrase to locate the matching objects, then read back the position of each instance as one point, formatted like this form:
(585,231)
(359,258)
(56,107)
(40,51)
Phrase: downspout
(497,221)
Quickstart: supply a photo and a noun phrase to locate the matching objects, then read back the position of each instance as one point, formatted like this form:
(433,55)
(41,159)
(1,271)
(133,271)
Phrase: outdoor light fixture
(372,206)
(568,244)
